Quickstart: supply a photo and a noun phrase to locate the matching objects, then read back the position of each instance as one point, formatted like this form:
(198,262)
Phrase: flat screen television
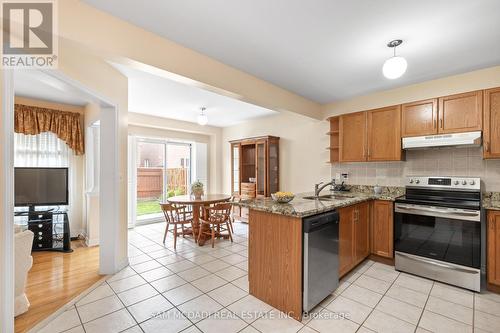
(40,186)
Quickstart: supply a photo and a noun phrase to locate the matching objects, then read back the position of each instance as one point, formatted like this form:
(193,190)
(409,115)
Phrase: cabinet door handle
(487,143)
(435,123)
(441,122)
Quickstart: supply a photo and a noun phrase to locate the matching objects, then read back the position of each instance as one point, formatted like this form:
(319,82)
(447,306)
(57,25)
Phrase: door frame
(109,262)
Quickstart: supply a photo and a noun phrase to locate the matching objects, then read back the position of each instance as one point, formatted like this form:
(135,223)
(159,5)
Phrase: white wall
(303,153)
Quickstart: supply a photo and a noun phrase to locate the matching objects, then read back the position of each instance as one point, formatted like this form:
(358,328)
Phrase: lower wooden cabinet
(493,248)
(354,236)
(382,221)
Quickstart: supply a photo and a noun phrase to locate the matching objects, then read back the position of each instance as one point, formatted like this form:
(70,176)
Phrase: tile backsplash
(431,162)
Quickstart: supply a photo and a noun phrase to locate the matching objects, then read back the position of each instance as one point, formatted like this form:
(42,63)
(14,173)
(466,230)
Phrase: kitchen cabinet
(382,229)
(461,112)
(491,133)
(352,137)
(419,118)
(384,134)
(493,248)
(354,244)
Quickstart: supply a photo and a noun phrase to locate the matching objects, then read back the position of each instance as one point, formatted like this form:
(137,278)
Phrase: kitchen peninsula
(276,240)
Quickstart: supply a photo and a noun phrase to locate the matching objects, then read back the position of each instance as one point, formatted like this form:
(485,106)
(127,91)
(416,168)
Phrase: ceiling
(327,50)
(40,85)
(159,96)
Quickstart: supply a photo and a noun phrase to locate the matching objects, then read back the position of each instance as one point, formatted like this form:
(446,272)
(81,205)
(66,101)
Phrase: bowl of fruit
(282,197)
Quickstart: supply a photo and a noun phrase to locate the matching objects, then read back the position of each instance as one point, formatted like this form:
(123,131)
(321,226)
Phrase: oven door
(446,234)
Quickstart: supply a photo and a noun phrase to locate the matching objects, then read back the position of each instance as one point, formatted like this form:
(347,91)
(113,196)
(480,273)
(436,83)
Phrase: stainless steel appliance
(438,230)
(321,263)
(468,139)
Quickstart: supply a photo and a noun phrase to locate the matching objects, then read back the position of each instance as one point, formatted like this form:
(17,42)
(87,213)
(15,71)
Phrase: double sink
(329,197)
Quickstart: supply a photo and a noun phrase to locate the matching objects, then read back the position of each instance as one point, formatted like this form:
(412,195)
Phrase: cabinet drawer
(248,187)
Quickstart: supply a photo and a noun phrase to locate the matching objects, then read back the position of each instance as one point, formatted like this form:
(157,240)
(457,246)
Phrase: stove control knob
(411,181)
(456,182)
(464,182)
(417,181)
(472,182)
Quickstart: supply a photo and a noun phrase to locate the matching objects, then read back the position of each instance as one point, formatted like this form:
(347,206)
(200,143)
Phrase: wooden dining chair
(233,200)
(176,216)
(216,219)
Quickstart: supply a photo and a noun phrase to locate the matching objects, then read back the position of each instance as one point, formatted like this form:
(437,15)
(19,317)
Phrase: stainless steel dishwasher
(321,258)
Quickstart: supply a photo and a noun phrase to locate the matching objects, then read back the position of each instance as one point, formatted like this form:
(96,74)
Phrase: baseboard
(493,288)
(382,260)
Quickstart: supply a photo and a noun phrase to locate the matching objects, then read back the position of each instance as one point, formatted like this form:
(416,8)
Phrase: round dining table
(197,204)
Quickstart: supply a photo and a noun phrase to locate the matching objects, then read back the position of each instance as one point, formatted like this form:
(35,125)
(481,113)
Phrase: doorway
(163,170)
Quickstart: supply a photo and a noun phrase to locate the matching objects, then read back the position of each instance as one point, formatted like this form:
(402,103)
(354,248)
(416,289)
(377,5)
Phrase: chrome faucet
(318,187)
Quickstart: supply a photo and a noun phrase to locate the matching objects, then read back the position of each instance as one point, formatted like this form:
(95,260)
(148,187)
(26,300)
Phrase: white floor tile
(149,308)
(124,273)
(242,283)
(98,293)
(362,295)
(156,274)
(453,294)
(65,321)
(170,282)
(127,283)
(171,321)
(193,273)
(99,308)
(487,305)
(180,266)
(414,283)
(354,311)
(249,308)
(329,322)
(137,294)
(222,321)
(449,309)
(233,259)
(209,282)
(231,273)
(112,323)
(382,273)
(436,323)
(486,322)
(407,295)
(227,294)
(372,284)
(399,309)
(182,294)
(215,265)
(199,308)
(276,321)
(382,322)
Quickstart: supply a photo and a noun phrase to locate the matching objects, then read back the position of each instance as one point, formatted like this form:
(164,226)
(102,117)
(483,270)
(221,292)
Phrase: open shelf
(334,134)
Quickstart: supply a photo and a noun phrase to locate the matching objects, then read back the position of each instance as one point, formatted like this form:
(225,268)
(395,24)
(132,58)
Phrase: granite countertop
(491,200)
(300,207)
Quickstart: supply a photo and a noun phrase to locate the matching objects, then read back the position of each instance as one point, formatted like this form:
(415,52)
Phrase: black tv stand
(50,228)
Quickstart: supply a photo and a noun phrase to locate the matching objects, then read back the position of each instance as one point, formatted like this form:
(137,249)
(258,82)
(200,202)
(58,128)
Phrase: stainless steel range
(438,228)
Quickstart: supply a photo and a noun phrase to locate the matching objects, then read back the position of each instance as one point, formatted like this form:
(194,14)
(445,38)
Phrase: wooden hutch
(254,169)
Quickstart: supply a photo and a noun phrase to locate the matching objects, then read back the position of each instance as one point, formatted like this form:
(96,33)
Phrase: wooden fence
(150,182)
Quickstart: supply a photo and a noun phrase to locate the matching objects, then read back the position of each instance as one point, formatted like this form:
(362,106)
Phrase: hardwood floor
(55,279)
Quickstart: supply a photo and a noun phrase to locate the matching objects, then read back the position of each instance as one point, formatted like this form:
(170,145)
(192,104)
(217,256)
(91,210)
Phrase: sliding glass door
(163,171)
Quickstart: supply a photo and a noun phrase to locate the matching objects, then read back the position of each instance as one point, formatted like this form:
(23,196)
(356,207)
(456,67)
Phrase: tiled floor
(200,289)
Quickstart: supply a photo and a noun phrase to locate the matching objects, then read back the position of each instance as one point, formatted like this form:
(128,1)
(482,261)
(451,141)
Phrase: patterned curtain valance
(32,120)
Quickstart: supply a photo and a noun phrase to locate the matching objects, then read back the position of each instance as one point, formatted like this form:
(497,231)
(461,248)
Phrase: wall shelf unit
(334,139)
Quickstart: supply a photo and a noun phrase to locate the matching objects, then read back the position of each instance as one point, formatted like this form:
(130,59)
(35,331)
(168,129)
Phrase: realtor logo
(29,38)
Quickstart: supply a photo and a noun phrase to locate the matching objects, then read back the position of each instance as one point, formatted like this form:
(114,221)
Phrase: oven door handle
(432,262)
(471,216)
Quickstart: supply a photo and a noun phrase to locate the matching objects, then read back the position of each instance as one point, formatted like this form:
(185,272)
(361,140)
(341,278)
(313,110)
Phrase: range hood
(468,139)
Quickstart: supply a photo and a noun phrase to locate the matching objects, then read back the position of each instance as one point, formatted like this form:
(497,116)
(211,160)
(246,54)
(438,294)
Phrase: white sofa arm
(23,261)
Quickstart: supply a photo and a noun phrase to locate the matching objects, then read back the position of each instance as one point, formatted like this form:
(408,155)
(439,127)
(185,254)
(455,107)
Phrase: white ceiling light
(202,117)
(395,66)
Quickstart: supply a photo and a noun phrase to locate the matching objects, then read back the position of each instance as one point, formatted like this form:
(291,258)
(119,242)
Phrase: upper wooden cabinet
(384,134)
(493,252)
(491,133)
(419,118)
(352,137)
(461,112)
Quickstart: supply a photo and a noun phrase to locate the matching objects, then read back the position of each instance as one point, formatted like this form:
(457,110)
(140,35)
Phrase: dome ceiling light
(395,66)
(202,117)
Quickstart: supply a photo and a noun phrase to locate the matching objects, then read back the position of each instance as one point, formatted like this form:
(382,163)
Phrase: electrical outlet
(344,176)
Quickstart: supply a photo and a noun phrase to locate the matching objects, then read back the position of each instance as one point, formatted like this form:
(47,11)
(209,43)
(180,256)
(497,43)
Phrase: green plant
(197,186)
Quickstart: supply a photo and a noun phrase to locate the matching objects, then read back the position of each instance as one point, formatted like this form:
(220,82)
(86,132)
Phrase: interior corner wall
(302,152)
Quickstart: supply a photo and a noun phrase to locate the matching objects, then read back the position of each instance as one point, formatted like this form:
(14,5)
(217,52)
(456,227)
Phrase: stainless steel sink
(329,197)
